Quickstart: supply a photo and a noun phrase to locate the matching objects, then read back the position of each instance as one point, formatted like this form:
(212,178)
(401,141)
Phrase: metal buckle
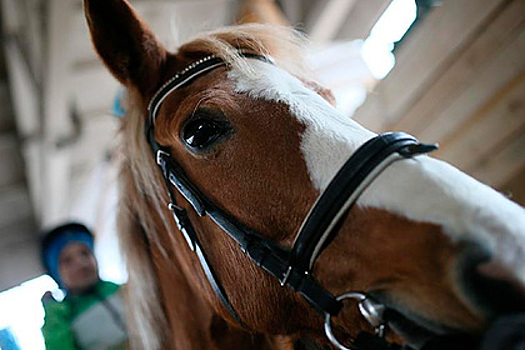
(159,155)
(176,210)
(370,310)
(286,276)
(417,149)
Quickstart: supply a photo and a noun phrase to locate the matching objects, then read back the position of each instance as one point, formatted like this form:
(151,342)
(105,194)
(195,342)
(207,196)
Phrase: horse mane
(142,214)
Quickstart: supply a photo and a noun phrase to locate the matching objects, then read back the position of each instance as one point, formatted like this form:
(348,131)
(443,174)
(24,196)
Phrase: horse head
(260,140)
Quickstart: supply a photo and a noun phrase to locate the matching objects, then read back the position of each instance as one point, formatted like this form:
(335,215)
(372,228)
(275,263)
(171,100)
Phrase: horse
(247,150)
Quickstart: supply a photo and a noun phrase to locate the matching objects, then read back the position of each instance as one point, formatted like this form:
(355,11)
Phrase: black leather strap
(343,191)
(274,259)
(187,75)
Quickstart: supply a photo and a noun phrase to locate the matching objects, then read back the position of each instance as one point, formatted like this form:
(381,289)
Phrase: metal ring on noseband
(369,309)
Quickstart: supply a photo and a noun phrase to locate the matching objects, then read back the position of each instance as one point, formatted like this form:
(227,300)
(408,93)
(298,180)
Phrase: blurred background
(449,71)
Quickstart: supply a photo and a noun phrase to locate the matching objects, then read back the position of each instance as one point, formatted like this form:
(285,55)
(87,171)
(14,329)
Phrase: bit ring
(328,324)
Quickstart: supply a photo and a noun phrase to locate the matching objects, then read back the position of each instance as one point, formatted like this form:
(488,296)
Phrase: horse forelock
(285,45)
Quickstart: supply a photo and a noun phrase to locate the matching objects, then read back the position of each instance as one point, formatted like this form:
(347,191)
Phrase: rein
(291,267)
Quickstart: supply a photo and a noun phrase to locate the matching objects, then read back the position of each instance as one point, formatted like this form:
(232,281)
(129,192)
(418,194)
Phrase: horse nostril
(501,285)
(488,284)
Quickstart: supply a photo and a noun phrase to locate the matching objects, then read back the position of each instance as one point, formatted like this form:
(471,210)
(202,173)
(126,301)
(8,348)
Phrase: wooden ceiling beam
(261,11)
(494,123)
(427,53)
(361,19)
(326,18)
(501,165)
(515,187)
(57,124)
(493,59)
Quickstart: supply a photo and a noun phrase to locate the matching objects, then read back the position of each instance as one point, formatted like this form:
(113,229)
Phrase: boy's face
(77,267)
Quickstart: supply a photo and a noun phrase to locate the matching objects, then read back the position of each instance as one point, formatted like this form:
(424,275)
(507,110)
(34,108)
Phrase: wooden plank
(326,18)
(24,90)
(293,9)
(92,87)
(98,136)
(465,69)
(20,262)
(14,206)
(361,19)
(11,16)
(261,11)
(502,165)
(12,171)
(370,114)
(7,117)
(18,232)
(55,179)
(494,123)
(35,37)
(430,49)
(499,72)
(515,187)
(32,153)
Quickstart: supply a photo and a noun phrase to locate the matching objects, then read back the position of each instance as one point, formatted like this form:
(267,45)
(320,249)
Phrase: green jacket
(93,320)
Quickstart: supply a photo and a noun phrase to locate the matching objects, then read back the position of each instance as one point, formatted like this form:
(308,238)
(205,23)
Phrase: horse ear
(124,42)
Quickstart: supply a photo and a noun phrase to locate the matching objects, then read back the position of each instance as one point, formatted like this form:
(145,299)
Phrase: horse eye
(201,133)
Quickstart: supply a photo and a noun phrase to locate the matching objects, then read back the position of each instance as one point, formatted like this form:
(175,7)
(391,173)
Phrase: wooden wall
(459,80)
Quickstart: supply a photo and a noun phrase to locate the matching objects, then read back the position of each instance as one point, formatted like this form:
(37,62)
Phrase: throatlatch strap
(184,224)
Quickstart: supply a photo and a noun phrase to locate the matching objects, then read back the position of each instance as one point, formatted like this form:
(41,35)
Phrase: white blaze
(422,189)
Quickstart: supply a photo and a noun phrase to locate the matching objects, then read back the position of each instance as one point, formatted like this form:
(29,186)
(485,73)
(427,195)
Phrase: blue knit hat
(57,239)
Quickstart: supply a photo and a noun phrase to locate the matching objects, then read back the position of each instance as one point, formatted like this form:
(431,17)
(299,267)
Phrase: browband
(187,75)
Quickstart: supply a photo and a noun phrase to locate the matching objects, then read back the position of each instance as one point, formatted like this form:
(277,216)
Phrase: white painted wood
(56,108)
(361,19)
(12,172)
(98,137)
(92,87)
(7,116)
(11,16)
(193,18)
(14,206)
(293,9)
(325,19)
(32,155)
(35,37)
(173,22)
(20,262)
(24,90)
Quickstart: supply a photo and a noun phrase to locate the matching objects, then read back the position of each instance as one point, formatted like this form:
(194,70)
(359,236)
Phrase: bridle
(293,267)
